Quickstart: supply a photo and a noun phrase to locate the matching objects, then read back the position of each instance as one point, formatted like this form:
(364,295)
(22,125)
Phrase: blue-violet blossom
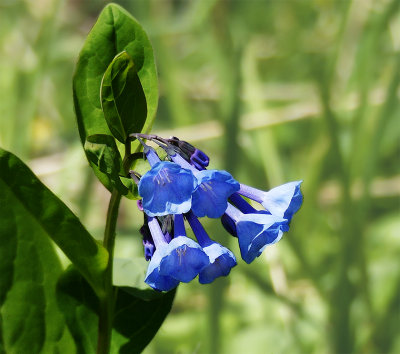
(183,188)
(255,231)
(167,188)
(221,259)
(180,260)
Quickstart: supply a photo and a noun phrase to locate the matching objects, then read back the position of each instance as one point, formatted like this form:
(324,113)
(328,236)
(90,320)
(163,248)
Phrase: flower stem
(107,302)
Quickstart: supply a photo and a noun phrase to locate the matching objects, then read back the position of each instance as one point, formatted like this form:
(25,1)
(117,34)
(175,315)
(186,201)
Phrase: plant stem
(107,302)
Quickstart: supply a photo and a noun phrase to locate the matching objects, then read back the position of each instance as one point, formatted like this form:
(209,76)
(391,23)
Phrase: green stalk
(107,302)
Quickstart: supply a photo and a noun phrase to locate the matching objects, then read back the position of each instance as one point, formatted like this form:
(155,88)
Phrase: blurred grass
(273,91)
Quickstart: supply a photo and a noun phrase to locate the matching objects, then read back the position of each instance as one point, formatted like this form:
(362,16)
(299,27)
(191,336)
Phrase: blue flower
(210,198)
(184,188)
(180,260)
(166,189)
(221,260)
(183,259)
(284,200)
(256,231)
(154,278)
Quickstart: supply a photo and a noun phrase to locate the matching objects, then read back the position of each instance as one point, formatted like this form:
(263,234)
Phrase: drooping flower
(210,198)
(184,186)
(154,277)
(221,260)
(167,189)
(255,231)
(284,200)
(181,260)
(214,187)
(185,257)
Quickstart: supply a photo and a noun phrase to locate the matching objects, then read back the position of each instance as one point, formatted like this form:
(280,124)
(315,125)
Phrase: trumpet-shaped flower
(284,200)
(221,260)
(182,188)
(167,189)
(154,278)
(181,260)
(256,231)
(214,187)
(210,198)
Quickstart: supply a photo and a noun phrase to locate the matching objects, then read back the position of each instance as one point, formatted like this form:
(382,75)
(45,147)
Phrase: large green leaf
(115,31)
(19,186)
(136,320)
(122,98)
(29,269)
(80,305)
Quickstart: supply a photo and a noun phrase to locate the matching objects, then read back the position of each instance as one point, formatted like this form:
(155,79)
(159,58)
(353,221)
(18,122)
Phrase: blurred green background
(273,91)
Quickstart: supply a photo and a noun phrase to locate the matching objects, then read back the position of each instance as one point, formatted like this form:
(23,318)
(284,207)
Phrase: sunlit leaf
(115,31)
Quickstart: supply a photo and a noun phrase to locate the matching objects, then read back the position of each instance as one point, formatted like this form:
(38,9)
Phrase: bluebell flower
(255,231)
(214,187)
(185,257)
(185,187)
(221,260)
(167,189)
(210,198)
(180,260)
(284,200)
(154,278)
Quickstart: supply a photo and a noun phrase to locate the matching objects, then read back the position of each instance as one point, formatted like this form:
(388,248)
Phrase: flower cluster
(181,188)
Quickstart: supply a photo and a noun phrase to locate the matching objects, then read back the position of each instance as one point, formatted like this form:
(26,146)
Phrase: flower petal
(166,189)
(183,259)
(210,197)
(255,231)
(221,262)
(284,200)
(153,277)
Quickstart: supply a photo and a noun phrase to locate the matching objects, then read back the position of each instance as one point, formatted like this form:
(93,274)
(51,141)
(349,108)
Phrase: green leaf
(79,305)
(29,316)
(136,320)
(122,98)
(115,31)
(139,320)
(103,152)
(19,186)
